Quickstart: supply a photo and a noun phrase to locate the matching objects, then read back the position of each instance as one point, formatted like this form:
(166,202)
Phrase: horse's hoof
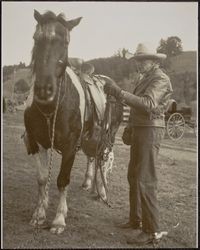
(37,222)
(57,229)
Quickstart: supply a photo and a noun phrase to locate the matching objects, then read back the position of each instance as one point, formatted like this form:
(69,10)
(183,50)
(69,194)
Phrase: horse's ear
(68,24)
(37,16)
(72,23)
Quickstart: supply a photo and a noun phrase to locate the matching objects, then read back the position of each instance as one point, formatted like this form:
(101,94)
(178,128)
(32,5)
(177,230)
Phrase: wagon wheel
(175,126)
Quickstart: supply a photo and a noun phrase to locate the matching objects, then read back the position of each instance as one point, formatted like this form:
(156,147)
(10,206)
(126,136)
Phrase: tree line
(123,71)
(8,70)
(118,67)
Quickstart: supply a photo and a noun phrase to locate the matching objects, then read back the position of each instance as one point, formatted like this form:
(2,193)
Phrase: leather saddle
(92,85)
(95,105)
(94,114)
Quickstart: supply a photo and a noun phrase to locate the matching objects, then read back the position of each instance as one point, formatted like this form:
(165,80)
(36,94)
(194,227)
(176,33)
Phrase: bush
(21,87)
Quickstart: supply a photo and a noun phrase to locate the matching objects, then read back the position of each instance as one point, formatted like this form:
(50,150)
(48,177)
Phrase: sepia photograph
(99,124)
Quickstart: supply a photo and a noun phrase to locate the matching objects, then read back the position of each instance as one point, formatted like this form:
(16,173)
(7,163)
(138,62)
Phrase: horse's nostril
(45,90)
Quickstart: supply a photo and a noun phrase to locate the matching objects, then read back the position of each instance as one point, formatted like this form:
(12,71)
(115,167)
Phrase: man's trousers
(142,177)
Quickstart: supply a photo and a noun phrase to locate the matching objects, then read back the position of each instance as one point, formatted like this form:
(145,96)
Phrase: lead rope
(46,190)
(52,142)
(101,156)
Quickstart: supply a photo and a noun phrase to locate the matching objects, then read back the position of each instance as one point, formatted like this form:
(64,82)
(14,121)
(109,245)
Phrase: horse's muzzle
(44,93)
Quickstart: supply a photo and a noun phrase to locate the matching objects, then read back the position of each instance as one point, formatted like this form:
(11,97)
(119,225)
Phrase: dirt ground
(90,223)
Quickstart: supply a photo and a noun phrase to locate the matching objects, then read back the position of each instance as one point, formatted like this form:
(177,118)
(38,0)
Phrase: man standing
(148,104)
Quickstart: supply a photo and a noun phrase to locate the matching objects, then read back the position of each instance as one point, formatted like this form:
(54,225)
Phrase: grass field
(90,223)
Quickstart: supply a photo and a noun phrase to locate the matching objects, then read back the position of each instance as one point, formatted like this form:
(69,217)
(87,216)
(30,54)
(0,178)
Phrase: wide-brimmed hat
(143,52)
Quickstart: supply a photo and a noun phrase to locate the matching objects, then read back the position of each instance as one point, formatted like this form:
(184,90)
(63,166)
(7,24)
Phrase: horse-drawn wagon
(178,117)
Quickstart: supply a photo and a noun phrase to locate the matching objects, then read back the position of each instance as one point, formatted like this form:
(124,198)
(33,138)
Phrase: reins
(101,156)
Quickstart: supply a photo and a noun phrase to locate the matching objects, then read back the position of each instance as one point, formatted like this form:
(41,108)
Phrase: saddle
(95,108)
(95,95)
(92,86)
(95,104)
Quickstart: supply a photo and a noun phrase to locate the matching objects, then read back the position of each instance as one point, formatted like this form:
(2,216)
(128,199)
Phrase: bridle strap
(48,116)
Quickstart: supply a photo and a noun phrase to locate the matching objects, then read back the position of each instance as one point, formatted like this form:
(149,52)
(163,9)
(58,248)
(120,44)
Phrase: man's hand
(111,88)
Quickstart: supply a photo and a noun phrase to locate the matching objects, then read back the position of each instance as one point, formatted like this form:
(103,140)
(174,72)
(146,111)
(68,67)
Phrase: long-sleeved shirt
(149,100)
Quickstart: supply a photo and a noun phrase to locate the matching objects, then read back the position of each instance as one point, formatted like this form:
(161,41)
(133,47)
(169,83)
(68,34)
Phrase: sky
(105,27)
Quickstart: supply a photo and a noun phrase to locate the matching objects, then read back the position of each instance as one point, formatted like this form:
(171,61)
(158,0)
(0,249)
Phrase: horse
(56,117)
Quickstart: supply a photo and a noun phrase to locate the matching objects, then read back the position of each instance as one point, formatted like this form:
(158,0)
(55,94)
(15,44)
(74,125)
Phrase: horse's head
(50,53)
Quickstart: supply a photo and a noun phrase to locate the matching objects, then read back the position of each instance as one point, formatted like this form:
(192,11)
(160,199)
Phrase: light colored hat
(143,52)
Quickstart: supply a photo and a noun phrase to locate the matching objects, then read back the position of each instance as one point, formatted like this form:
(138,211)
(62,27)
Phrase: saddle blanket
(77,84)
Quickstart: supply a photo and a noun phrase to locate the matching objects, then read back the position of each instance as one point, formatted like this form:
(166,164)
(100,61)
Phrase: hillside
(185,62)
(183,75)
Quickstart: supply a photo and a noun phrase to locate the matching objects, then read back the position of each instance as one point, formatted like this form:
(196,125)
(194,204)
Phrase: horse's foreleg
(39,216)
(89,176)
(58,224)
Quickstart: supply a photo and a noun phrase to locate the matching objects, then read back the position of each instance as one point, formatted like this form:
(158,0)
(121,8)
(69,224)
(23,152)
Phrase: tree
(21,65)
(171,47)
(121,53)
(21,86)
(7,72)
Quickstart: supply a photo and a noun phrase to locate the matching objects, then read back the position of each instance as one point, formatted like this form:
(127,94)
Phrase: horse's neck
(45,109)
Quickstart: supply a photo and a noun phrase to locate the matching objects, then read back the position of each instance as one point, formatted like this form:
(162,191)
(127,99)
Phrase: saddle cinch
(95,106)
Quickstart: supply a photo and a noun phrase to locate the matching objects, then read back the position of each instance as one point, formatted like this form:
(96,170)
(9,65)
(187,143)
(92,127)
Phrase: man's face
(144,65)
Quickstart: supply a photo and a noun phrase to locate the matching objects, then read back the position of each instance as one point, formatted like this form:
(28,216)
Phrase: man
(148,104)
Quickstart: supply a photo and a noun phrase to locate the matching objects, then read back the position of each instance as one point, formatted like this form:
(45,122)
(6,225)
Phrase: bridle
(48,116)
(62,63)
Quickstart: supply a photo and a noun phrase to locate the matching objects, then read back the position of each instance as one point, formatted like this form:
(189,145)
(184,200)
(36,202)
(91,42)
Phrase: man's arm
(159,88)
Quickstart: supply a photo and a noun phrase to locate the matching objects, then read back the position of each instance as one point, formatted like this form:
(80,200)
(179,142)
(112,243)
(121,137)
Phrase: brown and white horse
(55,118)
